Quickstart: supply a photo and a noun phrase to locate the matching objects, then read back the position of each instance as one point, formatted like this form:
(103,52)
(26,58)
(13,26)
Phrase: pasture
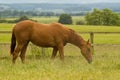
(105,66)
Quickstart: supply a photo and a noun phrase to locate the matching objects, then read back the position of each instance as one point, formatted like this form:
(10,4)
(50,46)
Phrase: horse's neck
(76,40)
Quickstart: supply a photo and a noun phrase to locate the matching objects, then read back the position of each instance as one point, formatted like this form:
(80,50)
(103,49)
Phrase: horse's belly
(43,39)
(44,43)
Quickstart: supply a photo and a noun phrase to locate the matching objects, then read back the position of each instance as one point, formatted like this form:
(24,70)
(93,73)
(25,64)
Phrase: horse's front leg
(61,51)
(54,53)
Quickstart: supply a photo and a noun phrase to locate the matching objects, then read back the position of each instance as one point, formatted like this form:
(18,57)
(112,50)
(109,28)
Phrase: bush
(22,18)
(2,21)
(65,19)
(17,20)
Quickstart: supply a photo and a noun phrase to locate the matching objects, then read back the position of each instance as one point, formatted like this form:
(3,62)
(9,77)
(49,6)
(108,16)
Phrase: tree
(65,19)
(94,18)
(17,20)
(109,17)
(23,18)
(103,17)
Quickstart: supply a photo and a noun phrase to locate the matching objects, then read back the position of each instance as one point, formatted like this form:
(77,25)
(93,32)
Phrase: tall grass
(105,66)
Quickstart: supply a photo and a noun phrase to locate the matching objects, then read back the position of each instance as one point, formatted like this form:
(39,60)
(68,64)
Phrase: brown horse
(53,35)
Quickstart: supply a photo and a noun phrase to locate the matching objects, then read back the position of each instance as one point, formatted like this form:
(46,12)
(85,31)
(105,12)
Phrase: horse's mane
(76,39)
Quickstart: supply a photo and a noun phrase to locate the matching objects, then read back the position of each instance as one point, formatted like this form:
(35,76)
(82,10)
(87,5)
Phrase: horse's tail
(13,43)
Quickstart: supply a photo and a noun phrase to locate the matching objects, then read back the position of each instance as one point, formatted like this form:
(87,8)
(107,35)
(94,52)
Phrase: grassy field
(105,66)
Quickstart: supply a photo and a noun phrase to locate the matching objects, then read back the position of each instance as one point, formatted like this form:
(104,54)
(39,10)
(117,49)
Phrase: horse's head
(86,51)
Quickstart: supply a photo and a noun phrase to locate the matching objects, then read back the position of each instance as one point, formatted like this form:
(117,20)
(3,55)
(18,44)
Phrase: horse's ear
(88,41)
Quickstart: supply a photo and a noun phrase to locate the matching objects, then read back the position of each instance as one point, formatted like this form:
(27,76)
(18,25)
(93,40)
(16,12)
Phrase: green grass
(103,38)
(6,27)
(105,66)
(92,28)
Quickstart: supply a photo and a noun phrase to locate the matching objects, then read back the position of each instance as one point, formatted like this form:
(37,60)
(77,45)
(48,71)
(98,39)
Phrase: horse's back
(27,24)
(23,25)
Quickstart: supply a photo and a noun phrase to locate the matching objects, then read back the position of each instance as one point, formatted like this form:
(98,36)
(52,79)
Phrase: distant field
(99,38)
(51,19)
(55,19)
(6,27)
(92,28)
(78,28)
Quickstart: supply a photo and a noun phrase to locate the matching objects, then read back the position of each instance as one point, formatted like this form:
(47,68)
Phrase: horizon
(57,2)
(64,3)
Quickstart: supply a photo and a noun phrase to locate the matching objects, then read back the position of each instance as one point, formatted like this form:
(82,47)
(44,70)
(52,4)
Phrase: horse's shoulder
(59,26)
(56,24)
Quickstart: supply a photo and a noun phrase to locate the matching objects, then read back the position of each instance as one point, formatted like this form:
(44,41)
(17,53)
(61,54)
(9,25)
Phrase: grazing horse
(53,35)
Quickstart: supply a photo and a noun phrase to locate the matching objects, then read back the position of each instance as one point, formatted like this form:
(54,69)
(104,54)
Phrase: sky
(57,1)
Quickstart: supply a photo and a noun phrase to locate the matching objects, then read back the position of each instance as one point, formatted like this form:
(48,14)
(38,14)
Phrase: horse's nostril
(90,61)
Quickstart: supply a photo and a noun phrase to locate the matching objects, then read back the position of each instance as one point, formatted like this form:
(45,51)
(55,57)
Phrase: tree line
(96,17)
(103,17)
(16,13)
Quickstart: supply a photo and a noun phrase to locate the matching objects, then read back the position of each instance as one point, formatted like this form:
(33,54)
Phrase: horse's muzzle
(90,61)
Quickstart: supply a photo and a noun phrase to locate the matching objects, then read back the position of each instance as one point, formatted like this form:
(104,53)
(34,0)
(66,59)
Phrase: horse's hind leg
(23,51)
(16,52)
